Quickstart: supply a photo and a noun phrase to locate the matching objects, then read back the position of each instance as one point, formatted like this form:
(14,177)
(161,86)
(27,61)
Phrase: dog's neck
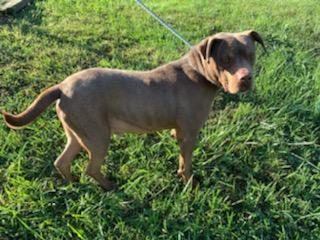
(197,73)
(200,65)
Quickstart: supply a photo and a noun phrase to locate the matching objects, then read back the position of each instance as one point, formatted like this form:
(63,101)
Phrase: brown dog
(94,103)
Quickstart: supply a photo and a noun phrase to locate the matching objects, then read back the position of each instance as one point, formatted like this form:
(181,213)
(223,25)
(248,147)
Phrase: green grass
(257,157)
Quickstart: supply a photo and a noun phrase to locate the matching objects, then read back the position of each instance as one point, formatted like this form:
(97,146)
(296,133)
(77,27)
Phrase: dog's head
(227,59)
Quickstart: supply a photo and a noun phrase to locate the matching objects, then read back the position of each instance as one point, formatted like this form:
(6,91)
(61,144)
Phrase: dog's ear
(207,46)
(256,37)
(200,55)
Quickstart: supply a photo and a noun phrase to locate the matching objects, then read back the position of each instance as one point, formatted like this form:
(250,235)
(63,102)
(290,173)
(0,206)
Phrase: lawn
(257,157)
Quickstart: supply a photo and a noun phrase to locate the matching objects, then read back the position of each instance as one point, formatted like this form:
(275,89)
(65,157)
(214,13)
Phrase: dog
(95,103)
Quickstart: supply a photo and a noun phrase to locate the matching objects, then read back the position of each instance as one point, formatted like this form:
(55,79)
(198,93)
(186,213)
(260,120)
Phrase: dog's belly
(118,126)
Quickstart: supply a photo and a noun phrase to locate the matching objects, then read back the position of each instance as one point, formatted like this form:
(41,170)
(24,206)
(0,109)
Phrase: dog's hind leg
(96,142)
(63,162)
(72,148)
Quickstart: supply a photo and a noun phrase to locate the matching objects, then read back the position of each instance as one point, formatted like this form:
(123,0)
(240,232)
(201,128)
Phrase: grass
(257,156)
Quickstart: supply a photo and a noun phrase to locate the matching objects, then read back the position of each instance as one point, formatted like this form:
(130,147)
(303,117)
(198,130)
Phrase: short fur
(95,103)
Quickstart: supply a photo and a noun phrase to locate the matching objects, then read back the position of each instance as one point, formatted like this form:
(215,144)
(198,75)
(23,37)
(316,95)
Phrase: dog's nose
(246,78)
(244,75)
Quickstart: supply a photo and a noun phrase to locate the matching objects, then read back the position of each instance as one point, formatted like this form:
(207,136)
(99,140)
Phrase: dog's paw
(195,183)
(75,179)
(109,186)
(192,181)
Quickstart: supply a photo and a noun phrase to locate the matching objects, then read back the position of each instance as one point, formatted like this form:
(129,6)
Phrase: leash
(163,23)
(167,26)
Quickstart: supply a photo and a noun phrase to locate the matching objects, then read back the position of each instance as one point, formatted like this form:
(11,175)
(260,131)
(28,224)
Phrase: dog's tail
(34,110)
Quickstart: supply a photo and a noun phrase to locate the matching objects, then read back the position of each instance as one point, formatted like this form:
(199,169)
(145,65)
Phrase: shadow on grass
(31,18)
(31,13)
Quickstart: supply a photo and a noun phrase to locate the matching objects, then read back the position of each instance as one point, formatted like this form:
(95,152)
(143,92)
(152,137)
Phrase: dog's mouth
(223,80)
(234,89)
(245,86)
(234,82)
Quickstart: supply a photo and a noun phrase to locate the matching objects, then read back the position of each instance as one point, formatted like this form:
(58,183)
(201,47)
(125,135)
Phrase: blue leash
(163,23)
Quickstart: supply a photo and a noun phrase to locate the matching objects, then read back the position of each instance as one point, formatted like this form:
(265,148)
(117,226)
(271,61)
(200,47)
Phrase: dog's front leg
(186,142)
